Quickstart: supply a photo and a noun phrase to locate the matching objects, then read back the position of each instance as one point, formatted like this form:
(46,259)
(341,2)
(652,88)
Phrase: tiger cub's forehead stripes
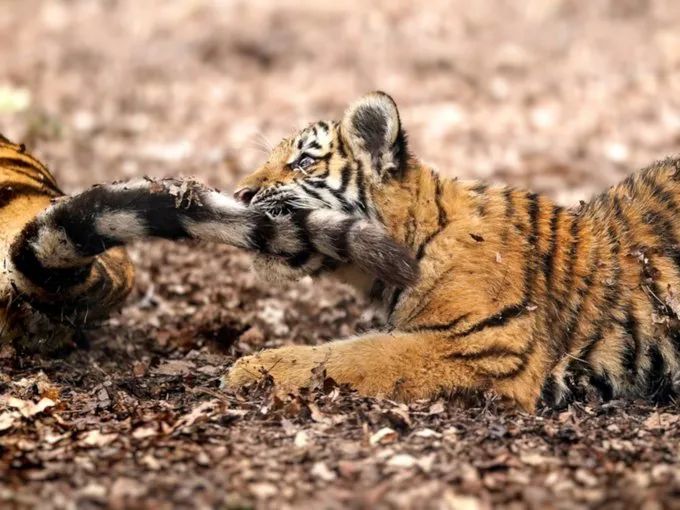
(315,140)
(310,170)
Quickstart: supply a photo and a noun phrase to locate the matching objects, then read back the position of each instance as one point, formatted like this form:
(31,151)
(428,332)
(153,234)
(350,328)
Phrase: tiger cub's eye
(304,162)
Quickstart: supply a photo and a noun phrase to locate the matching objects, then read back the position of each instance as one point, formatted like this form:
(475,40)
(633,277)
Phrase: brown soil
(561,96)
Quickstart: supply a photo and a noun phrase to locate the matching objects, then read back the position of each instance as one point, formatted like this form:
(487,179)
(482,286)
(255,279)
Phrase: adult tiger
(62,263)
(517,294)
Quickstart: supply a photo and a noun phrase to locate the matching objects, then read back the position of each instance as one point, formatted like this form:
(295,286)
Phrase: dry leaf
(384,436)
(175,367)
(453,501)
(7,419)
(438,407)
(427,433)
(320,470)
(28,408)
(144,432)
(301,439)
(402,460)
(201,412)
(97,438)
(661,421)
(263,490)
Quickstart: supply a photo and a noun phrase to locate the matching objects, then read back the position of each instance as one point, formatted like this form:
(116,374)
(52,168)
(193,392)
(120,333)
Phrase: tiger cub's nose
(245,195)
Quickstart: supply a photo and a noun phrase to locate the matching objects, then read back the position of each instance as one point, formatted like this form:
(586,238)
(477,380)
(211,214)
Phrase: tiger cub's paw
(290,367)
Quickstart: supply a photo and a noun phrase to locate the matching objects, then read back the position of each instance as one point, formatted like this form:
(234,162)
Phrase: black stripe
(31,171)
(615,236)
(442,217)
(393,302)
(421,249)
(8,193)
(602,383)
(424,298)
(494,351)
(341,244)
(299,259)
(439,327)
(631,353)
(339,194)
(51,279)
(500,352)
(500,319)
(326,169)
(299,220)
(575,232)
(663,230)
(345,176)
(341,148)
(310,191)
(481,188)
(530,265)
(159,211)
(344,203)
(412,222)
(327,264)
(665,197)
(549,257)
(514,372)
(263,231)
(620,216)
(509,204)
(509,213)
(361,188)
(659,383)
(550,392)
(499,375)
(532,198)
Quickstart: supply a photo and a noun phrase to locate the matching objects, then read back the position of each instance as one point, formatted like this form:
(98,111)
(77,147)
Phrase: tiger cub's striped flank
(537,302)
(60,253)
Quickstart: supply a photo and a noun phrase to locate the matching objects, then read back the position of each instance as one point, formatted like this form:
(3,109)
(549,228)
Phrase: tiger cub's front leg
(404,366)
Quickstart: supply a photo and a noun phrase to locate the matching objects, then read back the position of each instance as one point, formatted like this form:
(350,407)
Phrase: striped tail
(54,253)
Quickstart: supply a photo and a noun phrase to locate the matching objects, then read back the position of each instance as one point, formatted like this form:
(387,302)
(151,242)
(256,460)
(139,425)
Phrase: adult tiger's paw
(290,367)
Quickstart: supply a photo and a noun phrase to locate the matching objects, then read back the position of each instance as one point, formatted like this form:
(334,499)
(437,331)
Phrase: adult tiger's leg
(404,366)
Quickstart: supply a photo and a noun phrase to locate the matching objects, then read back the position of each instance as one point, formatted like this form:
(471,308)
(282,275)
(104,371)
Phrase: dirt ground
(564,97)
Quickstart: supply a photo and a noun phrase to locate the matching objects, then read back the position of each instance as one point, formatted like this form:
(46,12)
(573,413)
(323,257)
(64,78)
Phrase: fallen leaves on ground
(138,419)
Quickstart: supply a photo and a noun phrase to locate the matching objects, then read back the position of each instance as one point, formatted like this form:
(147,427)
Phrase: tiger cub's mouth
(275,205)
(277,209)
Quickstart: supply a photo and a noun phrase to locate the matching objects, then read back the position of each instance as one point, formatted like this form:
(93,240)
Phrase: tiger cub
(517,295)
(62,260)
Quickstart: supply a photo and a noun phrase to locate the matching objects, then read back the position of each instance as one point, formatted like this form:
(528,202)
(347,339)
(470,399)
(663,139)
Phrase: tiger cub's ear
(372,129)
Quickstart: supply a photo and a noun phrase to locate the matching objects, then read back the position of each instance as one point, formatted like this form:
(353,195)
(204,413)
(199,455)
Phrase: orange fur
(516,294)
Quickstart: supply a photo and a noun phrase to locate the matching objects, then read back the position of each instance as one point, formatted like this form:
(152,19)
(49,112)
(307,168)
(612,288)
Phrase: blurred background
(561,96)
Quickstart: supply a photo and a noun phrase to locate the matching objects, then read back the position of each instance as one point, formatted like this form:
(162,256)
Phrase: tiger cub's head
(329,165)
